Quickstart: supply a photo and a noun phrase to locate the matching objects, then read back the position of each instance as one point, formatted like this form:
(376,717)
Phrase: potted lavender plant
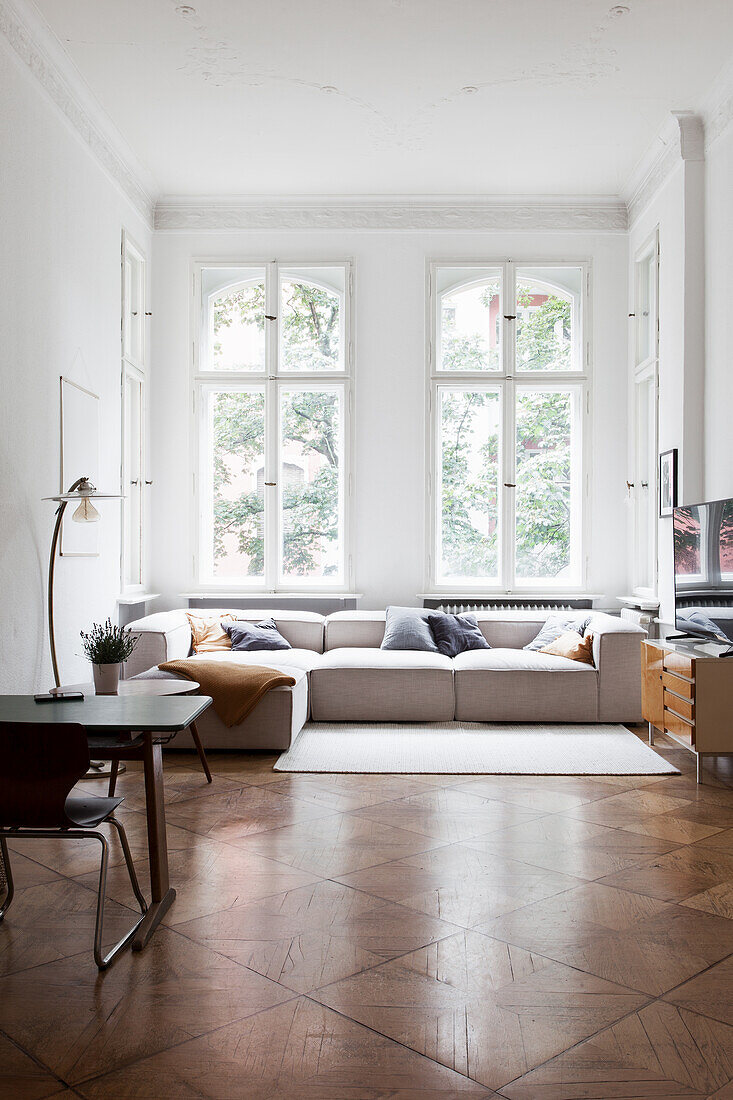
(107,646)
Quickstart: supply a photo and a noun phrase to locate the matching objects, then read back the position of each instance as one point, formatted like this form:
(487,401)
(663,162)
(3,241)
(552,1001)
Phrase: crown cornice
(681,140)
(606,215)
(43,55)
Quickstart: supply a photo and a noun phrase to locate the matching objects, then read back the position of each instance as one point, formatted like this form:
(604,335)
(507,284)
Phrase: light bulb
(86,512)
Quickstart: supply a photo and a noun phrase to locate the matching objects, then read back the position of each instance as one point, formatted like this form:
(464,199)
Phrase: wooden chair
(39,766)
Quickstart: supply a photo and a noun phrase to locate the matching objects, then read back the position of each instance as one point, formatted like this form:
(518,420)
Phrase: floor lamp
(83,492)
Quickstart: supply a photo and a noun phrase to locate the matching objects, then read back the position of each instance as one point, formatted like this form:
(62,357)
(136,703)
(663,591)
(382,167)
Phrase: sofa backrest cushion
(303,629)
(365,629)
(360,629)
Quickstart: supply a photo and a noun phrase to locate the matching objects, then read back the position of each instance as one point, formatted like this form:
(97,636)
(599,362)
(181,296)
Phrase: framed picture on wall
(667,482)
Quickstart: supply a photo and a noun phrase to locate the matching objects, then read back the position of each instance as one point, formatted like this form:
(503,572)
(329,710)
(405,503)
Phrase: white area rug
(468,748)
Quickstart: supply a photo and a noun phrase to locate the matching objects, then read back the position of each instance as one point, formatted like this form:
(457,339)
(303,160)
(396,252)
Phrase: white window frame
(507,379)
(274,380)
(645,372)
(134,356)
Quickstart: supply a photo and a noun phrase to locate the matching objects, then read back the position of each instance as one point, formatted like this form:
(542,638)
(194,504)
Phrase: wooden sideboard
(687,693)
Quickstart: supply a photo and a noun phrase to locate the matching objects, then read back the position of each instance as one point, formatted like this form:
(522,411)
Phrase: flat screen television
(703,570)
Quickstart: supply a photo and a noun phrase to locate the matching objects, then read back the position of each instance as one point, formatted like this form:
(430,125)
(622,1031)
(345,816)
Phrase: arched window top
(312,319)
(236,315)
(470,322)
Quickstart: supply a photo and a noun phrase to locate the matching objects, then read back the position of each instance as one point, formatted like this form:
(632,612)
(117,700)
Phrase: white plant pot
(106,679)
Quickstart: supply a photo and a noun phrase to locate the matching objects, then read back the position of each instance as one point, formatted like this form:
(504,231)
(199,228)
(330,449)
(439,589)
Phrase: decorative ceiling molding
(692,135)
(42,53)
(682,139)
(400,213)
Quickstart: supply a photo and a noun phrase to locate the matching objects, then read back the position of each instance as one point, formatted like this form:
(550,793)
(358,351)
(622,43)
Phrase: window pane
(236,467)
(234,300)
(547,524)
(134,479)
(469,448)
(645,483)
(470,320)
(311,484)
(548,308)
(645,271)
(311,319)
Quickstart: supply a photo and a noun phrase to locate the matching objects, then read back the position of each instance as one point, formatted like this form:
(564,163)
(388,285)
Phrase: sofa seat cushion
(516,660)
(510,685)
(356,657)
(284,660)
(382,685)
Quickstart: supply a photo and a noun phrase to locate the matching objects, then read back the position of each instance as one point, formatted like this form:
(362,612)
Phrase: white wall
(389,494)
(719,318)
(677,210)
(60,224)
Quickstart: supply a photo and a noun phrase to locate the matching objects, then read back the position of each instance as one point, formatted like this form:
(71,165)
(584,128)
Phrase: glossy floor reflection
(347,937)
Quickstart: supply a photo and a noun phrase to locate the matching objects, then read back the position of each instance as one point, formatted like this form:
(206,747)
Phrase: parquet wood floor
(371,937)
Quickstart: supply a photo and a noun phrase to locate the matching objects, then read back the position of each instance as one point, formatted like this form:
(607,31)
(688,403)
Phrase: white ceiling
(385,97)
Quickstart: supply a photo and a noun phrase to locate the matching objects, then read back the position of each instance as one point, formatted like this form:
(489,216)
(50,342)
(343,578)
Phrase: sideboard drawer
(679,663)
(678,727)
(683,707)
(680,686)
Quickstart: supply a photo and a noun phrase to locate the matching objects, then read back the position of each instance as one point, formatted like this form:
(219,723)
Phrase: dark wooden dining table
(126,727)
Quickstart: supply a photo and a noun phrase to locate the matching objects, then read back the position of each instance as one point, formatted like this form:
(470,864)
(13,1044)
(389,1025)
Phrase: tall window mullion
(272,499)
(508,490)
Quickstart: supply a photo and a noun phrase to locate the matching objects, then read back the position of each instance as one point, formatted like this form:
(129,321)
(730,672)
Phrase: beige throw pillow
(206,633)
(571,645)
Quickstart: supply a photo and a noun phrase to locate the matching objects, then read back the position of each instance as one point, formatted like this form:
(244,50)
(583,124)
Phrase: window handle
(149,482)
(510,316)
(270,483)
(269,318)
(510,484)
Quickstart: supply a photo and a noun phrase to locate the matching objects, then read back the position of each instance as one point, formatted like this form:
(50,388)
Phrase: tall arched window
(509,392)
(272,381)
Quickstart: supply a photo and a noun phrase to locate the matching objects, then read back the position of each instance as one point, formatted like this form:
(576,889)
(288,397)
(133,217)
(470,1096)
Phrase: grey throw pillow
(558,623)
(248,636)
(455,634)
(407,628)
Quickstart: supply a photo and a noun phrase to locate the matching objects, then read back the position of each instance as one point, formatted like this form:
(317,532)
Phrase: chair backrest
(39,764)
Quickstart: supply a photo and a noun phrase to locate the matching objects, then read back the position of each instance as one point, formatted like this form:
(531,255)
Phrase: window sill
(127,599)
(258,594)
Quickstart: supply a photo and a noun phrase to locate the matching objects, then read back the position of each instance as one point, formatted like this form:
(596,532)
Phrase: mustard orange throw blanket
(235,690)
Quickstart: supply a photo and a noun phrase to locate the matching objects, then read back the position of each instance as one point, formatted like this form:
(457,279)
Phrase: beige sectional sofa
(342,675)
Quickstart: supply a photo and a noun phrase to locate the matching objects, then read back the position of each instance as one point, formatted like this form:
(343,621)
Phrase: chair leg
(200,751)
(113,770)
(6,878)
(130,865)
(103,961)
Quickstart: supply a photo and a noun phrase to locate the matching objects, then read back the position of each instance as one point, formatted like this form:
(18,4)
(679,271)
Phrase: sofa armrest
(617,656)
(165,636)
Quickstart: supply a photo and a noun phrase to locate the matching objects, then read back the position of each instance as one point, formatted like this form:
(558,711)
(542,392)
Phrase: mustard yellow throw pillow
(206,632)
(571,645)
